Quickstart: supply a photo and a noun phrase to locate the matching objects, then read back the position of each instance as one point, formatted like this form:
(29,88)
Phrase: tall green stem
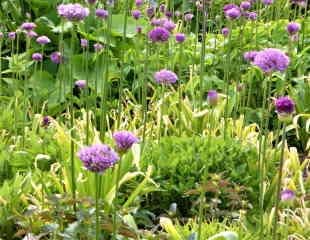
(276,214)
(97,206)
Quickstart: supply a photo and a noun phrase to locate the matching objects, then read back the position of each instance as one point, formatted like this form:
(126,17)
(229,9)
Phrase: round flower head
(91,1)
(37,57)
(102,13)
(72,12)
(292,28)
(212,97)
(84,43)
(124,140)
(249,56)
(177,14)
(251,16)
(229,7)
(12,35)
(301,3)
(150,12)
(136,14)
(245,5)
(28,26)
(162,8)
(165,77)
(271,59)
(139,29)
(199,5)
(233,13)
(188,17)
(43,40)
(98,47)
(284,108)
(81,84)
(46,121)
(156,22)
(98,157)
(159,34)
(168,14)
(225,31)
(56,57)
(31,34)
(287,195)
(180,37)
(169,25)
(139,3)
(267,2)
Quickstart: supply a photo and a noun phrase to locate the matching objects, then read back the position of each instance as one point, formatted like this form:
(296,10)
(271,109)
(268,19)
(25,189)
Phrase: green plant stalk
(72,123)
(123,77)
(276,214)
(180,89)
(86,93)
(144,94)
(103,121)
(118,173)
(1,41)
(161,110)
(97,206)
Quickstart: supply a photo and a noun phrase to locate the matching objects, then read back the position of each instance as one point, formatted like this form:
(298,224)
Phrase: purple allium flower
(251,16)
(98,157)
(124,140)
(212,97)
(271,60)
(199,5)
(84,43)
(250,56)
(162,8)
(180,37)
(28,26)
(165,77)
(102,13)
(229,7)
(46,121)
(72,12)
(177,14)
(168,14)
(31,34)
(284,105)
(233,13)
(301,3)
(267,2)
(287,195)
(43,40)
(136,14)
(81,84)
(150,12)
(91,1)
(293,28)
(12,35)
(156,22)
(159,34)
(37,57)
(245,5)
(56,57)
(139,29)
(98,47)
(188,17)
(139,3)
(225,31)
(169,25)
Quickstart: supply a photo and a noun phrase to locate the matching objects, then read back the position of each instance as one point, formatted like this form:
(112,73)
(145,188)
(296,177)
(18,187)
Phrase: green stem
(276,214)
(97,206)
(144,93)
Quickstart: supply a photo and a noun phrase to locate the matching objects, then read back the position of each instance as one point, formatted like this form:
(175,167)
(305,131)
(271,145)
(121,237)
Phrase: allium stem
(276,213)
(162,96)
(180,89)
(144,93)
(1,41)
(118,173)
(97,206)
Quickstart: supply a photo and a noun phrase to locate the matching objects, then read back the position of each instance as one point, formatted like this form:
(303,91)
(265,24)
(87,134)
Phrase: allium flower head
(139,29)
(72,12)
(251,15)
(271,60)
(102,13)
(162,8)
(229,7)
(168,14)
(56,57)
(84,43)
(43,40)
(31,34)
(180,37)
(28,26)
(159,34)
(98,157)
(212,97)
(37,57)
(188,17)
(292,28)
(287,195)
(165,77)
(136,14)
(233,13)
(156,22)
(267,2)
(169,25)
(301,3)
(285,105)
(91,1)
(81,84)
(177,14)
(12,35)
(46,121)
(225,31)
(139,3)
(124,140)
(98,47)
(245,5)
(250,56)
(150,12)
